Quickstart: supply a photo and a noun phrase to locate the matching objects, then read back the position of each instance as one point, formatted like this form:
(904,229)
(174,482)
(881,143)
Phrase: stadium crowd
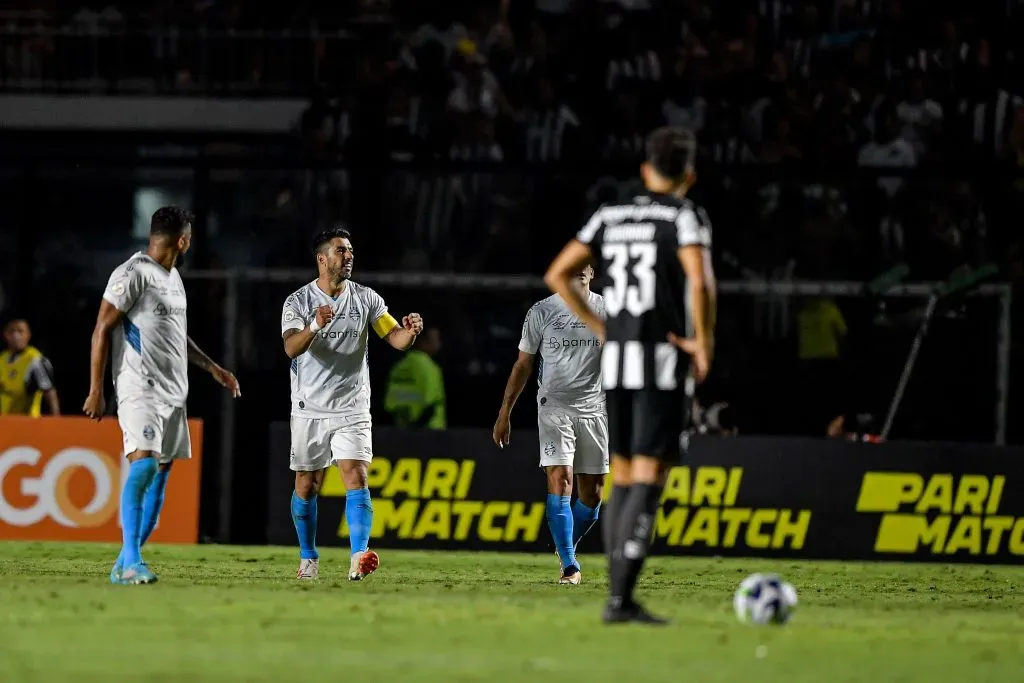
(838,137)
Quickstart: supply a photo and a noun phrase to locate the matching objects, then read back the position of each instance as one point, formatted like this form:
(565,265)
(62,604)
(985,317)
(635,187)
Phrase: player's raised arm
(521,371)
(403,336)
(399,336)
(297,335)
(570,261)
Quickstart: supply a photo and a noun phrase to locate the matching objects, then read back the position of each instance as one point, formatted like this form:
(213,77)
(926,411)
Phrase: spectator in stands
(415,394)
(920,115)
(26,376)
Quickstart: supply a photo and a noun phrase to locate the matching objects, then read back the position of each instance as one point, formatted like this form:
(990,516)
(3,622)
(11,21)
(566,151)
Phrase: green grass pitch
(237,614)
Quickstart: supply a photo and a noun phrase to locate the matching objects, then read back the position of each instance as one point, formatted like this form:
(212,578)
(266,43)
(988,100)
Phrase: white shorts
(317,442)
(579,442)
(148,425)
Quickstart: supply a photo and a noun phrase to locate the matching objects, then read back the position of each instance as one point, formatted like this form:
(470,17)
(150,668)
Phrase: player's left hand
(413,323)
(701,352)
(226,379)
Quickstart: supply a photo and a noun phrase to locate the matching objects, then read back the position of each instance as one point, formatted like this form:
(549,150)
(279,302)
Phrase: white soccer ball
(764,599)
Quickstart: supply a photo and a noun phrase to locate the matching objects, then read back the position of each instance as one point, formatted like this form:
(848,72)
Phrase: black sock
(609,527)
(635,523)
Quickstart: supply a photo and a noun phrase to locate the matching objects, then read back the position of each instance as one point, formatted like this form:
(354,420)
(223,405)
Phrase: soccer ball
(764,599)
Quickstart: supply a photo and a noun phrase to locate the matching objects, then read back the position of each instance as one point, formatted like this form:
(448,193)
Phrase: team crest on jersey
(549,448)
(289,315)
(148,433)
(353,313)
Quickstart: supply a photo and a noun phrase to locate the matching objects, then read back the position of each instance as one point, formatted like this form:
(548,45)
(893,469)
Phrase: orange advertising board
(60,480)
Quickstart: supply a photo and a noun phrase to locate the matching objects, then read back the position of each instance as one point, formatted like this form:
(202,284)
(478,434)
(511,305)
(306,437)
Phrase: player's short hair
(325,236)
(170,221)
(10,319)
(672,151)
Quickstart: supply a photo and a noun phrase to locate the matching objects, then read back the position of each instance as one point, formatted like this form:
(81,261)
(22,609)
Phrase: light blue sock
(359,515)
(560,522)
(583,520)
(152,504)
(304,517)
(140,476)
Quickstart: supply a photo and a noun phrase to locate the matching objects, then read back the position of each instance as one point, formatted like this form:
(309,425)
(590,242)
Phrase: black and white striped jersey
(636,246)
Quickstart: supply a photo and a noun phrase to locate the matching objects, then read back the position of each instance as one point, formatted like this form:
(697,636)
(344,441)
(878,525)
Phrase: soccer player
(570,415)
(26,375)
(145,298)
(325,326)
(656,252)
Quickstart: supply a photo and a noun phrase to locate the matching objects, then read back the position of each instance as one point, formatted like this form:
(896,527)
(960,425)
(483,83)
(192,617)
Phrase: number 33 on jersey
(637,246)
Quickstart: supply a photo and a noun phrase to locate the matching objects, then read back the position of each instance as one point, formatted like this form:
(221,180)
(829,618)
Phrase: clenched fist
(324,315)
(413,323)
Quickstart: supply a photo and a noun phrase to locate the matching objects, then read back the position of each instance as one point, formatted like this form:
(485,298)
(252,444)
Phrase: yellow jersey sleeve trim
(384,325)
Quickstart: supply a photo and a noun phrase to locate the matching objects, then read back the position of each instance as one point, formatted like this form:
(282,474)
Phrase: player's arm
(521,371)
(573,257)
(529,345)
(125,286)
(297,335)
(700,281)
(197,357)
(694,237)
(107,319)
(399,336)
(403,336)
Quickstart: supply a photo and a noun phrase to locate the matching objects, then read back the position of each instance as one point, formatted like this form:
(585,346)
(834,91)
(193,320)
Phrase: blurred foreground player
(655,251)
(325,326)
(571,417)
(145,298)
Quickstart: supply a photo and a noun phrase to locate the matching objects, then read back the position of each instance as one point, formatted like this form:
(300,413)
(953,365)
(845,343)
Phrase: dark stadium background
(473,138)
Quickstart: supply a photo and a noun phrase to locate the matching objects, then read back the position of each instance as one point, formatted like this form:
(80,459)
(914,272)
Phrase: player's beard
(339,275)
(179,260)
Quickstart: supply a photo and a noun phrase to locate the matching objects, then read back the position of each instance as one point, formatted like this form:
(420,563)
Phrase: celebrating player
(145,297)
(570,415)
(656,252)
(326,326)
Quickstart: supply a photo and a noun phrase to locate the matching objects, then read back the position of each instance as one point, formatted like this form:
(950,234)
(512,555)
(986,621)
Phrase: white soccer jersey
(150,352)
(569,376)
(332,378)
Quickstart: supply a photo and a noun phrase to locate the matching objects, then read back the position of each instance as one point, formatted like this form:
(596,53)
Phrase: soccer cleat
(363,564)
(115,572)
(631,614)
(571,576)
(309,570)
(137,574)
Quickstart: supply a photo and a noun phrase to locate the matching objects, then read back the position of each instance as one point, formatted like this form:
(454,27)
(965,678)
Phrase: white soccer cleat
(309,570)
(571,576)
(363,564)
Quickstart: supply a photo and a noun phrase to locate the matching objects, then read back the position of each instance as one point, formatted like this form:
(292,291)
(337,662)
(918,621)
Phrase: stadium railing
(249,292)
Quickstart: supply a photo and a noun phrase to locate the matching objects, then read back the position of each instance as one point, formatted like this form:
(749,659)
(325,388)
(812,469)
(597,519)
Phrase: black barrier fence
(772,497)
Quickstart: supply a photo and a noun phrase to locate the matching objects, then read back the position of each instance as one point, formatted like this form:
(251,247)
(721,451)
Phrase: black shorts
(647,422)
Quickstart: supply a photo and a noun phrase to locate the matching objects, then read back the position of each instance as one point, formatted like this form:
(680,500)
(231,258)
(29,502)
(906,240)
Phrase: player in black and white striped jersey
(654,252)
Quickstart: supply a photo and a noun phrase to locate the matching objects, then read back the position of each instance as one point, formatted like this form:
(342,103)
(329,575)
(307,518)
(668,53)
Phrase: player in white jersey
(326,327)
(571,416)
(145,298)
